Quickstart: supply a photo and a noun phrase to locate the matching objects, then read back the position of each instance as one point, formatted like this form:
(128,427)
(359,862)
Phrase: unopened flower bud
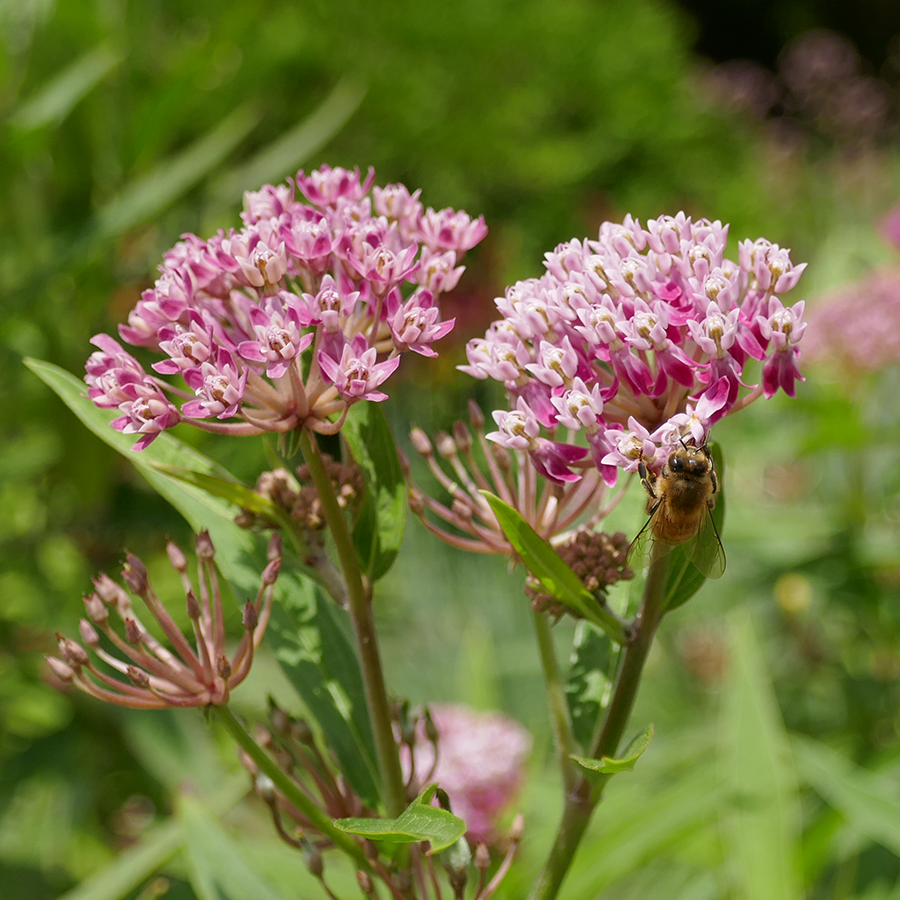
(302,733)
(445,444)
(420,442)
(193,606)
(517,829)
(482,857)
(139,678)
(476,416)
(273,551)
(134,572)
(60,669)
(205,549)
(280,720)
(88,633)
(223,667)
(74,654)
(270,573)
(462,436)
(132,632)
(263,737)
(365,882)
(110,592)
(176,557)
(96,609)
(250,619)
(313,859)
(416,501)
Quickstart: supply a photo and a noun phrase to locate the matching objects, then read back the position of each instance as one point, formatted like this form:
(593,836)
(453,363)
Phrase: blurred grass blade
(869,802)
(218,868)
(56,99)
(760,815)
(378,533)
(321,663)
(173,177)
(285,154)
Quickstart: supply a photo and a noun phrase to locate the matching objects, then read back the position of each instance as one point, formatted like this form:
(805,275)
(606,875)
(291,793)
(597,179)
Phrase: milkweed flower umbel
(638,339)
(290,320)
(156,677)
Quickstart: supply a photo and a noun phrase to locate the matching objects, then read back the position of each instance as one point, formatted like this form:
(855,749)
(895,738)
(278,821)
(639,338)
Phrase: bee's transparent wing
(705,549)
(644,546)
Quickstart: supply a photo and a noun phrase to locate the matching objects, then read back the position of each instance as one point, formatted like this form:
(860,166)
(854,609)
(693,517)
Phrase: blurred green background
(774,692)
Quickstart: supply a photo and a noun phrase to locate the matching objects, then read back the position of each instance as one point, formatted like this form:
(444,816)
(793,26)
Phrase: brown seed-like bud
(132,632)
(176,557)
(88,633)
(250,619)
(420,442)
(302,733)
(280,720)
(365,882)
(139,678)
(96,609)
(205,549)
(107,589)
(517,829)
(273,551)
(223,667)
(134,573)
(416,501)
(482,857)
(60,669)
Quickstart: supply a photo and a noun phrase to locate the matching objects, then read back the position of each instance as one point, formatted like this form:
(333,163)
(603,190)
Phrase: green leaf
(762,829)
(217,866)
(56,99)
(286,153)
(868,801)
(321,663)
(418,822)
(684,578)
(309,643)
(608,765)
(379,531)
(591,673)
(550,570)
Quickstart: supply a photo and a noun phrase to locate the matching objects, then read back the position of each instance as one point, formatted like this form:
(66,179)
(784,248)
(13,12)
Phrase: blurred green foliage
(126,124)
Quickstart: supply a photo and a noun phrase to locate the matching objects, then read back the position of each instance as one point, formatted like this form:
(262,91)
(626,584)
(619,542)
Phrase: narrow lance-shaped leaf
(321,663)
(550,570)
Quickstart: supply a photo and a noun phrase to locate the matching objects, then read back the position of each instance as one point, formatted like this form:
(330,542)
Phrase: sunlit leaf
(555,576)
(379,530)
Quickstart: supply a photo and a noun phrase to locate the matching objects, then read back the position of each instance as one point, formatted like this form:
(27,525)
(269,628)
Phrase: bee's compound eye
(676,463)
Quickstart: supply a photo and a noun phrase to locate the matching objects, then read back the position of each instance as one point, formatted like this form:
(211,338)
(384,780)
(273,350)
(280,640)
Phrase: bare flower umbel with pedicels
(637,340)
(155,677)
(291,320)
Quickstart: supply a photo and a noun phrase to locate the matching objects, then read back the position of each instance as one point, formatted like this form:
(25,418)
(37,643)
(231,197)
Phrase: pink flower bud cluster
(478,760)
(290,320)
(638,339)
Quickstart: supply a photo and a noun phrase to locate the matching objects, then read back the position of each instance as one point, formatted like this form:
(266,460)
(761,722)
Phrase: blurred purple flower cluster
(479,761)
(639,339)
(354,279)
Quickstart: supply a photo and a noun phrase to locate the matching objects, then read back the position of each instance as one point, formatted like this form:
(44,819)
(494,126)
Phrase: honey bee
(680,503)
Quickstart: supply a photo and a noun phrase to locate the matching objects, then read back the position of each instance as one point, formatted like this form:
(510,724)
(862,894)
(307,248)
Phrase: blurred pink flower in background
(480,764)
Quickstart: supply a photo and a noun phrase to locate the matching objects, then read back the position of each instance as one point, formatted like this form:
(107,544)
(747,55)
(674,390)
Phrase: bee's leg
(712,475)
(645,480)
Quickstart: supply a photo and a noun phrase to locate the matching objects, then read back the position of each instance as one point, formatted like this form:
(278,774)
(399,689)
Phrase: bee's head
(689,460)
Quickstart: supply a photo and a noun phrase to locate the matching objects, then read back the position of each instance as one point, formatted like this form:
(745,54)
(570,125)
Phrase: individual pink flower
(479,763)
(414,325)
(279,336)
(219,386)
(326,186)
(357,375)
(451,230)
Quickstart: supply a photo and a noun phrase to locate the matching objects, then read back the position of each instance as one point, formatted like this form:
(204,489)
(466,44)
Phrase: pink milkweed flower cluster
(638,339)
(479,761)
(290,320)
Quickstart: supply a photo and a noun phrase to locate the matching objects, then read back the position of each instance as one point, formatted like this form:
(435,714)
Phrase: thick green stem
(556,699)
(359,599)
(289,789)
(584,796)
